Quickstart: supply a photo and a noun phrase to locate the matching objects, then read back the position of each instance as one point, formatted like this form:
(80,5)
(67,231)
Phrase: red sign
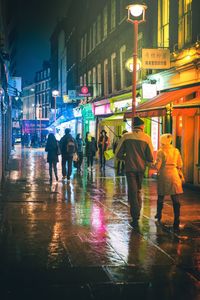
(84,91)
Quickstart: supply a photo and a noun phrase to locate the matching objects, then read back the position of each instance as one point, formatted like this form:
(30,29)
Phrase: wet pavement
(73,239)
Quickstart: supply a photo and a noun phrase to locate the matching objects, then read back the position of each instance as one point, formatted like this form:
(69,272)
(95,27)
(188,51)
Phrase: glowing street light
(136,15)
(55,94)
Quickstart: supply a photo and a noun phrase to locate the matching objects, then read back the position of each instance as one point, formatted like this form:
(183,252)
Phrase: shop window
(163,23)
(184,22)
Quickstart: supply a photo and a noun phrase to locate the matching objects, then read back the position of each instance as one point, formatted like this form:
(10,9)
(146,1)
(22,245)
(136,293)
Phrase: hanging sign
(155,58)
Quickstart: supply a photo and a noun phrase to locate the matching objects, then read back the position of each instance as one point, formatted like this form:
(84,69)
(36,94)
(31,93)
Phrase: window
(89,77)
(85,79)
(90,40)
(184,22)
(81,80)
(105,22)
(122,66)
(113,72)
(122,10)
(163,23)
(105,77)
(85,46)
(99,88)
(82,43)
(94,83)
(94,36)
(98,29)
(113,14)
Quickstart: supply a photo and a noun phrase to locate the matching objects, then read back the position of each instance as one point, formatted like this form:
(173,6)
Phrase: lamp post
(136,15)
(55,94)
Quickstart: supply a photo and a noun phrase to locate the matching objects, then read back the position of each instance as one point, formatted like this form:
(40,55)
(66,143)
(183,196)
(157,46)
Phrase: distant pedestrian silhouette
(52,154)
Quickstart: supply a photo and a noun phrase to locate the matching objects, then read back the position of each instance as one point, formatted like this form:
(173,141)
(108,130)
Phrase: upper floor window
(90,40)
(105,21)
(84,79)
(122,10)
(122,66)
(94,83)
(163,23)
(81,80)
(105,77)
(98,29)
(113,14)
(89,77)
(94,35)
(85,46)
(99,88)
(184,22)
(82,47)
(113,71)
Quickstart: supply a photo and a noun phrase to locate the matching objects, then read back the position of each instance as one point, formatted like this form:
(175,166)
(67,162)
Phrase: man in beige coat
(168,164)
(136,149)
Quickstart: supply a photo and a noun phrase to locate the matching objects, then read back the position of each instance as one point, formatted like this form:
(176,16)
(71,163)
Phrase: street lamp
(136,15)
(55,94)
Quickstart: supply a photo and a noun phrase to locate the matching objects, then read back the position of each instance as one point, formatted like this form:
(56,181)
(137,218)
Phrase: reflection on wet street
(74,238)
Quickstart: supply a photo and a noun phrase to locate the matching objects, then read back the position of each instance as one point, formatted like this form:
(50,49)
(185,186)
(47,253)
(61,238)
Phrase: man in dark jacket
(68,147)
(136,149)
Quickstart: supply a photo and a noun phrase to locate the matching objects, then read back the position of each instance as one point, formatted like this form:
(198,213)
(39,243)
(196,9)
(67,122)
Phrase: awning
(114,120)
(157,106)
(188,108)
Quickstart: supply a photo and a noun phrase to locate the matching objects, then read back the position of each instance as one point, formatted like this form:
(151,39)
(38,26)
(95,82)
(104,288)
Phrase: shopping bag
(75,157)
(108,154)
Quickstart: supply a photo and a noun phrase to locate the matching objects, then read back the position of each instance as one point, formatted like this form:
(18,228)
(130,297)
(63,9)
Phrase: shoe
(68,178)
(56,178)
(64,177)
(176,226)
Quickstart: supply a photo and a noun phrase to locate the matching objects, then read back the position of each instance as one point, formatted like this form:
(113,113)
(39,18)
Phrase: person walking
(90,150)
(136,149)
(79,142)
(52,149)
(103,144)
(168,164)
(119,163)
(68,147)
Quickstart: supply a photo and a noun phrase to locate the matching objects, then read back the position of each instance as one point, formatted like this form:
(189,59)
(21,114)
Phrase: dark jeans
(67,160)
(134,181)
(120,167)
(102,158)
(80,160)
(90,160)
(53,165)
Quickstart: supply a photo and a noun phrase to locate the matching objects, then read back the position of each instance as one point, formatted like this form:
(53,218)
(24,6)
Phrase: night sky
(36,21)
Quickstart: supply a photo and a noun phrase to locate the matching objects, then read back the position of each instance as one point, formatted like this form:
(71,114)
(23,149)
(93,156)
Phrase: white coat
(167,163)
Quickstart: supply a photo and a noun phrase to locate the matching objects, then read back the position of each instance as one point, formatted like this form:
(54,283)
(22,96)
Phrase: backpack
(70,147)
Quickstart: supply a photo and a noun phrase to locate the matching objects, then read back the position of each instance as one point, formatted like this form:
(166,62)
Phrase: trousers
(134,182)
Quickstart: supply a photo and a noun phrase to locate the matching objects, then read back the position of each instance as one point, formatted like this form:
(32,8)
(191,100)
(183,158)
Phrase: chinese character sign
(155,58)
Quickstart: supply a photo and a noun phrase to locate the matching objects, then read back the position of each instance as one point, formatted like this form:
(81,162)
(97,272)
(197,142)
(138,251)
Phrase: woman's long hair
(51,141)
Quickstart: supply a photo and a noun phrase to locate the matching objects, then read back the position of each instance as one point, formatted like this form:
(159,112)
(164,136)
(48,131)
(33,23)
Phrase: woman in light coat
(168,164)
